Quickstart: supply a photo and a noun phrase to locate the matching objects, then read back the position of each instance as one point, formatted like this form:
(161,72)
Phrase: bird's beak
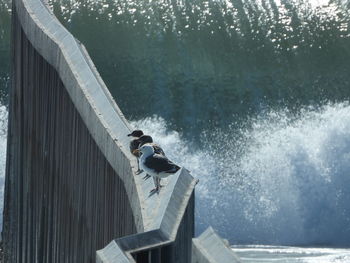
(129,134)
(136,152)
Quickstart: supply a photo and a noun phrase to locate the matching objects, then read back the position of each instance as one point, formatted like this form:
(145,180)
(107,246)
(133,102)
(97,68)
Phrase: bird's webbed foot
(146,177)
(156,189)
(139,171)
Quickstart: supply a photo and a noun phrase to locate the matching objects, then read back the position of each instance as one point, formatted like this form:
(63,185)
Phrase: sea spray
(268,254)
(3,143)
(280,178)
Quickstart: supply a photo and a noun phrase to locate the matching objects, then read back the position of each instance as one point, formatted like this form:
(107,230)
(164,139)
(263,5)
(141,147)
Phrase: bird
(136,133)
(146,139)
(142,140)
(134,145)
(156,165)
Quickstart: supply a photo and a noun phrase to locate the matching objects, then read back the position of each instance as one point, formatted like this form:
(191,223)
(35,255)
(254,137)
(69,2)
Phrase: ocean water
(203,64)
(282,179)
(252,96)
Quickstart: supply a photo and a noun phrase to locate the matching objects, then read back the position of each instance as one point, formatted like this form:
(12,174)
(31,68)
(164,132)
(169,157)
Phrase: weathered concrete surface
(112,253)
(63,199)
(71,187)
(210,248)
(70,182)
(172,230)
(90,97)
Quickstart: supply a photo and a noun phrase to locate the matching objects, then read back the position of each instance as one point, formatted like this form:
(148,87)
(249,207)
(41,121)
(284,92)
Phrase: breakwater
(71,188)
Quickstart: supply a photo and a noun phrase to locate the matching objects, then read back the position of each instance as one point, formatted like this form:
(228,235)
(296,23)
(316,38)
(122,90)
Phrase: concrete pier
(71,192)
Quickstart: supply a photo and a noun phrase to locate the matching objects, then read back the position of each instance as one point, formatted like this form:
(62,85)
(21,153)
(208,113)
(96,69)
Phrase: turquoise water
(205,64)
(251,96)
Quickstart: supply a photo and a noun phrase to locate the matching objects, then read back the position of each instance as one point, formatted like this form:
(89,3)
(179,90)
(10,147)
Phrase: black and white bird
(146,139)
(156,165)
(134,145)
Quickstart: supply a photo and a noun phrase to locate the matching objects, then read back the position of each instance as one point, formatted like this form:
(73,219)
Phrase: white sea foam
(260,254)
(3,141)
(282,179)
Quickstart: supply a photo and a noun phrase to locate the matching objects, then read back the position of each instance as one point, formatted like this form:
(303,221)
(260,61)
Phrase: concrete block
(210,248)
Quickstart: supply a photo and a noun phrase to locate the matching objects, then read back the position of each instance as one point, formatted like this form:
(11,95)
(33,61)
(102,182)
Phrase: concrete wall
(210,248)
(71,187)
(63,199)
(169,239)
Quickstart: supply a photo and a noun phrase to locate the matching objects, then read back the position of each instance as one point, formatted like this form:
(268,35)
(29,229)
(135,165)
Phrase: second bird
(156,165)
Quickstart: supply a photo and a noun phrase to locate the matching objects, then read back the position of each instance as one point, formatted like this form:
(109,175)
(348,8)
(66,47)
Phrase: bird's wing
(160,163)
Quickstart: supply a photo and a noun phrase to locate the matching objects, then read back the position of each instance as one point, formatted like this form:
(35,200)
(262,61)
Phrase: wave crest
(283,178)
